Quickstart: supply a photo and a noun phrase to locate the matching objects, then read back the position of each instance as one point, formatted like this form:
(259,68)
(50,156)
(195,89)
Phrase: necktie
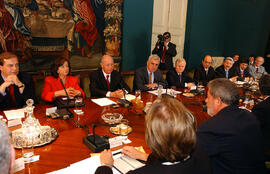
(150,78)
(108,82)
(206,72)
(163,54)
(11,94)
(257,69)
(227,73)
(180,77)
(242,75)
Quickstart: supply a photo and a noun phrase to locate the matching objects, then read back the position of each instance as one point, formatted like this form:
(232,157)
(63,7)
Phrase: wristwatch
(21,86)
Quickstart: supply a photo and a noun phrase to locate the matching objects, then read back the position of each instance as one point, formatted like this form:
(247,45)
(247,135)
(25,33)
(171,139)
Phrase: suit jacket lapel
(204,72)
(146,75)
(113,81)
(103,79)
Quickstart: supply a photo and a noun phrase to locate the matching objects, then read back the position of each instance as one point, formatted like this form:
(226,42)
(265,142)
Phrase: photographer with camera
(165,50)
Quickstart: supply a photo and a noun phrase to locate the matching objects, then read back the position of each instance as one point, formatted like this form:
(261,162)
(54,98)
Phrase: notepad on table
(103,101)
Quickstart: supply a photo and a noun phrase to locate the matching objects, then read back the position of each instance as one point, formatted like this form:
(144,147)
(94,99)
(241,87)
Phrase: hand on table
(151,85)
(106,158)
(117,94)
(233,79)
(189,85)
(133,153)
(73,92)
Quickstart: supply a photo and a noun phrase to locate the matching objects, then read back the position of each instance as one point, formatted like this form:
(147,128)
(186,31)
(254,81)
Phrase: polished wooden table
(68,148)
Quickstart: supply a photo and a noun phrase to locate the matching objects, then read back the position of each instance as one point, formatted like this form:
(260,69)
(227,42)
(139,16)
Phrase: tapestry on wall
(44,29)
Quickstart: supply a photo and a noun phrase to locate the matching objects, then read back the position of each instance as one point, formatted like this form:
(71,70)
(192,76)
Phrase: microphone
(124,102)
(64,88)
(64,112)
(95,142)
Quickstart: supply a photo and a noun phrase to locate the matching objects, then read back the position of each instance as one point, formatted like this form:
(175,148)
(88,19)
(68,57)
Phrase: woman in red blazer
(53,88)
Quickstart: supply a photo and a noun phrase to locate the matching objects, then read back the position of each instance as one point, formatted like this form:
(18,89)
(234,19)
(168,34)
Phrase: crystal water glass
(123,128)
(78,105)
(159,90)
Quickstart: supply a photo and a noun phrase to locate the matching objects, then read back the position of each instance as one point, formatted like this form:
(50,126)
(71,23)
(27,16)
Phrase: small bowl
(112,118)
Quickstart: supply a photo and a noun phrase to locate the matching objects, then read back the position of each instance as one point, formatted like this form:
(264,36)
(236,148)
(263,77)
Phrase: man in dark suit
(236,60)
(106,82)
(205,72)
(166,51)
(178,77)
(241,71)
(16,87)
(262,110)
(232,136)
(251,59)
(149,77)
(226,70)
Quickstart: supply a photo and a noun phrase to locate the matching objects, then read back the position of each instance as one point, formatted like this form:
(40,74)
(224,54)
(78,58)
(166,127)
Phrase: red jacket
(53,84)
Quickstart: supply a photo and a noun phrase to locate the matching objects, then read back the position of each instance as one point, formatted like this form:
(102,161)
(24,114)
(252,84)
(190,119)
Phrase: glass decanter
(31,127)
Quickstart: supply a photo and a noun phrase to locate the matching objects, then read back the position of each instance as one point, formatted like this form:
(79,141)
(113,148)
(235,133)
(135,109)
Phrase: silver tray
(47,136)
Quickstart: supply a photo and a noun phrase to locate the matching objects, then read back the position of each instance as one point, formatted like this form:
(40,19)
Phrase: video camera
(161,38)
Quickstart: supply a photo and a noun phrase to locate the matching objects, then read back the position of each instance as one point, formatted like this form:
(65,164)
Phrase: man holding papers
(15,87)
(106,81)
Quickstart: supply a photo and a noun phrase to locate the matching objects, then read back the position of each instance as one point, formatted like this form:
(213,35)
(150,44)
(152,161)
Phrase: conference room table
(68,147)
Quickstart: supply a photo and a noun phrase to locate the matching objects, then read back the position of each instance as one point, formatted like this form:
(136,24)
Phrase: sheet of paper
(14,114)
(14,122)
(103,101)
(129,97)
(193,87)
(18,165)
(50,110)
(155,92)
(61,171)
(89,165)
(125,163)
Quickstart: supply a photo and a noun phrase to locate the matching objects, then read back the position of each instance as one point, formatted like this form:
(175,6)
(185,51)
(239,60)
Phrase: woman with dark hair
(170,134)
(53,86)
(262,110)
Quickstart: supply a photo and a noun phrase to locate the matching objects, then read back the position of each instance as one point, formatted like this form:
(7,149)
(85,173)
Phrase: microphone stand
(95,142)
(69,114)
(65,91)
(124,102)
